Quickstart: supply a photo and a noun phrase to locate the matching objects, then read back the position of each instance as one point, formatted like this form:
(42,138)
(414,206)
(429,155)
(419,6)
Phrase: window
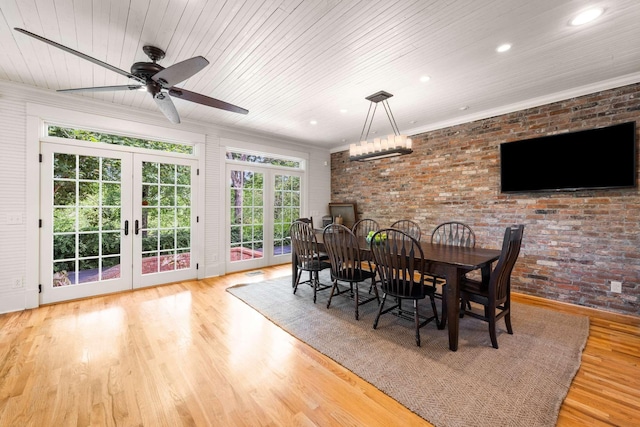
(264,160)
(107,138)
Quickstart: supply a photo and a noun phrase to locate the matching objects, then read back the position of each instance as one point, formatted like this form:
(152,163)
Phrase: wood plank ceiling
(293,61)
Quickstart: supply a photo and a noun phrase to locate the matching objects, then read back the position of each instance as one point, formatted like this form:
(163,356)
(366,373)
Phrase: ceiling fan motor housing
(145,70)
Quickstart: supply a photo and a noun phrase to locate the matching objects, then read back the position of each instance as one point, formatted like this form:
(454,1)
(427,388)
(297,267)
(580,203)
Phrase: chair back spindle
(454,233)
(410,227)
(362,229)
(400,262)
(364,226)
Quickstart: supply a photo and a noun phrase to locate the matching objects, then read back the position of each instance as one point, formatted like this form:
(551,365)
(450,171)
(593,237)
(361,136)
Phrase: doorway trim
(37,117)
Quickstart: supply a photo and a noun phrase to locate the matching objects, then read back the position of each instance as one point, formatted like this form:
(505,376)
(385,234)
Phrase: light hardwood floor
(192,354)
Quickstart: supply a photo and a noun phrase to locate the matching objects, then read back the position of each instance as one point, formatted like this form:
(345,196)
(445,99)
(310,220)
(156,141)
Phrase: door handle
(126,227)
(137,227)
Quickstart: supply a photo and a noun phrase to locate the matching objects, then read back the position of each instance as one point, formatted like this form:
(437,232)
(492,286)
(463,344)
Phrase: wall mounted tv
(591,159)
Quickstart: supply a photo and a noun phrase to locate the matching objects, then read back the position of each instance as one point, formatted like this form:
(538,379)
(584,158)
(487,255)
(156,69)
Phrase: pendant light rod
(392,119)
(367,120)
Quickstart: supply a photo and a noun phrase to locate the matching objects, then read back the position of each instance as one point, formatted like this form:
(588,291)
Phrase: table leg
(452,295)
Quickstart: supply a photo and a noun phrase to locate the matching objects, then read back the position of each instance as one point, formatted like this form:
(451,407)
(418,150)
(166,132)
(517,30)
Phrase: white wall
(16,205)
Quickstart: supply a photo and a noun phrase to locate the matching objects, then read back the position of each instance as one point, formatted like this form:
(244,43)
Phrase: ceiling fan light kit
(394,145)
(159,81)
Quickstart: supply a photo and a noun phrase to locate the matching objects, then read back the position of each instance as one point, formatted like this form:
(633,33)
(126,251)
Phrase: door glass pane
(247,219)
(166,217)
(286,209)
(86,219)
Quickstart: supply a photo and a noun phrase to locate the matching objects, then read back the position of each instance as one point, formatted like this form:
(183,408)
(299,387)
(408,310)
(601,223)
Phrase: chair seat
(416,292)
(474,287)
(315,265)
(356,275)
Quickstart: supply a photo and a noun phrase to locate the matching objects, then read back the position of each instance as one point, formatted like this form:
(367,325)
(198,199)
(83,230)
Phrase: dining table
(447,261)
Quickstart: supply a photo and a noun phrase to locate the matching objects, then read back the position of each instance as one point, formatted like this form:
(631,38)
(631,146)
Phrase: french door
(114,220)
(262,203)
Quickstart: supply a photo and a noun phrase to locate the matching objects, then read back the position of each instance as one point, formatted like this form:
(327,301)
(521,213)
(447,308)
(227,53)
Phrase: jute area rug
(523,383)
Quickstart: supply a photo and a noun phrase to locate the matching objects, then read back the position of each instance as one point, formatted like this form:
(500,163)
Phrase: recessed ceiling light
(343,111)
(314,122)
(586,16)
(503,47)
(464,108)
(425,79)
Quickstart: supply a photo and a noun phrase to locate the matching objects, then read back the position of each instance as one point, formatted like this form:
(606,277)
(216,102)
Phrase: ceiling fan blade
(81,55)
(205,100)
(165,104)
(180,72)
(102,88)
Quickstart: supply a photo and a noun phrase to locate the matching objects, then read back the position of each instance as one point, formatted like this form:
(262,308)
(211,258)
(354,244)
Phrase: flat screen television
(591,159)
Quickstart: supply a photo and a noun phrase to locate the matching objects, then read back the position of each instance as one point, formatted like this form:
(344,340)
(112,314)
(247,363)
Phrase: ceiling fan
(157,80)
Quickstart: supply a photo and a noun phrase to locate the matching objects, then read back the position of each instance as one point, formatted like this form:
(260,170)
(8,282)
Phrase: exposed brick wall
(574,242)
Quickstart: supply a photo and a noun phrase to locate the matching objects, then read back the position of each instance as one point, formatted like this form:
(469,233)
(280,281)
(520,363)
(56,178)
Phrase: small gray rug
(523,383)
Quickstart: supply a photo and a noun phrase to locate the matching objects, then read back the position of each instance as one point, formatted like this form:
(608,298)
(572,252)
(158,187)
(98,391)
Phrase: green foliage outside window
(87,213)
(91,136)
(265,160)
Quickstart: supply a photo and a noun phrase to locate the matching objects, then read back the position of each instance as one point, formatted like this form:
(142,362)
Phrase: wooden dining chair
(306,220)
(346,260)
(410,227)
(401,265)
(309,220)
(452,233)
(495,294)
(308,258)
(361,229)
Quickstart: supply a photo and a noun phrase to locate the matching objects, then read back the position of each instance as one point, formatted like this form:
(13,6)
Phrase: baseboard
(625,319)
(12,302)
